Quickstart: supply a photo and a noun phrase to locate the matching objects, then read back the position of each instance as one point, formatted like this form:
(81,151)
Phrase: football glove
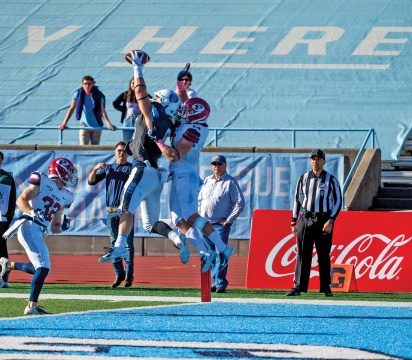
(38,217)
(136,58)
(152,133)
(65,223)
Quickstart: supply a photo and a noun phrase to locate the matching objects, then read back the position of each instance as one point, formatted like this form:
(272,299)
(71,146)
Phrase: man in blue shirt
(220,202)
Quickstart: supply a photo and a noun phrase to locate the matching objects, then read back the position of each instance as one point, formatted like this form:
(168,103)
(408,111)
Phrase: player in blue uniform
(146,180)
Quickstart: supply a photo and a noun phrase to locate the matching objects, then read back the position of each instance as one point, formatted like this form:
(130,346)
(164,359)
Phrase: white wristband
(138,73)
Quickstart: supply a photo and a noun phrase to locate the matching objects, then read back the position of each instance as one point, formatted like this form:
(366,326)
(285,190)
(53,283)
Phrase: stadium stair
(396,196)
(395,192)
(405,159)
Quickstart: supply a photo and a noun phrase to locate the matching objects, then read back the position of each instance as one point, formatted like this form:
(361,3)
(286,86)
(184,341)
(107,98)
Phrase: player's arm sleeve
(238,201)
(69,200)
(98,177)
(192,135)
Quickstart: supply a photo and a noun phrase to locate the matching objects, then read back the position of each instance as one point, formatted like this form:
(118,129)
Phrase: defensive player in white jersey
(42,202)
(187,143)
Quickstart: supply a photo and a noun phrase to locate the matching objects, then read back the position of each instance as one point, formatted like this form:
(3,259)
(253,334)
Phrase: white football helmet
(194,110)
(170,101)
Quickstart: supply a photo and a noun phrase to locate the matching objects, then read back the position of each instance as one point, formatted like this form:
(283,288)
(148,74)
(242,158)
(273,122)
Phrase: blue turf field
(216,330)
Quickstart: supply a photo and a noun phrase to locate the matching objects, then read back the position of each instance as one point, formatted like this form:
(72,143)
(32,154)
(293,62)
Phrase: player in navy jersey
(145,183)
(42,203)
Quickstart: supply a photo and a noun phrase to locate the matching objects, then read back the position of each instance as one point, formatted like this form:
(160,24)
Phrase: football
(145,57)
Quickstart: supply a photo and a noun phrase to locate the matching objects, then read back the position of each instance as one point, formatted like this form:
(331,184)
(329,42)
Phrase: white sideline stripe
(198,300)
(259,66)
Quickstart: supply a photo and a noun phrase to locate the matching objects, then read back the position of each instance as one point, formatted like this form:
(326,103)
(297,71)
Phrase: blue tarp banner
(267,180)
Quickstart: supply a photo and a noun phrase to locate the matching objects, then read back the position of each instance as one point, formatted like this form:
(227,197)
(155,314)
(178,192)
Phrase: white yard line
(5,295)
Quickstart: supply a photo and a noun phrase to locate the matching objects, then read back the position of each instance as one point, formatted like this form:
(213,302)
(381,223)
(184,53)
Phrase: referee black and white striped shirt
(317,194)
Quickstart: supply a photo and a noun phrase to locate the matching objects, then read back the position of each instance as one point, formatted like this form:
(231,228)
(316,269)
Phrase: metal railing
(214,130)
(370,135)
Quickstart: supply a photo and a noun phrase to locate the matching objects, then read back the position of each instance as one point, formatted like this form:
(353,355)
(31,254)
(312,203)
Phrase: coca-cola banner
(378,244)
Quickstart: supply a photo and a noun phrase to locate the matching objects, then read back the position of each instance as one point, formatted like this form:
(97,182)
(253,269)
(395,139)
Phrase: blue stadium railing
(370,136)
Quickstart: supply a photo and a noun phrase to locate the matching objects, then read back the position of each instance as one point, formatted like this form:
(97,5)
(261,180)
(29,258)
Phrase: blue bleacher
(260,64)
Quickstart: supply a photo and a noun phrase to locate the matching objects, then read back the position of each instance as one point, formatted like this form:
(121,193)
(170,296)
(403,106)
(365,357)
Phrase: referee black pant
(309,232)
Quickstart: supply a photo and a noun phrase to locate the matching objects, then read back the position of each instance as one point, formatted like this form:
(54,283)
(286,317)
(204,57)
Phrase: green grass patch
(12,307)
(15,307)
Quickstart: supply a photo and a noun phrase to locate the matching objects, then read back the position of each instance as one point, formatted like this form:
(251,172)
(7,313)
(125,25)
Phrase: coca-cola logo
(374,255)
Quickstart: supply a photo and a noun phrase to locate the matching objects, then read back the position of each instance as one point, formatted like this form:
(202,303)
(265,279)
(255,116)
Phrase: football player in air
(42,203)
(187,143)
(145,183)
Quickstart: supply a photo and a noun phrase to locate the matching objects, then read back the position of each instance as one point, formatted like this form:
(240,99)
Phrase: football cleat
(4,270)
(207,260)
(184,249)
(113,254)
(293,292)
(35,311)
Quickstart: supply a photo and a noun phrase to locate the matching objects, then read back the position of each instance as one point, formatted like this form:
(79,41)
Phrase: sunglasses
(217,164)
(186,79)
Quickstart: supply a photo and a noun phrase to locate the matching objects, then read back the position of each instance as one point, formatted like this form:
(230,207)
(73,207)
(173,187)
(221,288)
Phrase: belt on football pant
(311,214)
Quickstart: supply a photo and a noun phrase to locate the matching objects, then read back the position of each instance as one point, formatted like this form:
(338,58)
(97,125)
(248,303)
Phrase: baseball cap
(318,152)
(219,159)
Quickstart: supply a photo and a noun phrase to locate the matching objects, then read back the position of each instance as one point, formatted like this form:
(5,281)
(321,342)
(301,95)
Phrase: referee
(317,203)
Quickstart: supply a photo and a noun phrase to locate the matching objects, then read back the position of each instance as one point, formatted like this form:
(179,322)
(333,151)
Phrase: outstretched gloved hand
(136,57)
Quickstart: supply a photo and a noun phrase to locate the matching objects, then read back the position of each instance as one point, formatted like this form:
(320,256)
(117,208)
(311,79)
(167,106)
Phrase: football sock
(195,238)
(37,283)
(120,241)
(26,267)
(215,239)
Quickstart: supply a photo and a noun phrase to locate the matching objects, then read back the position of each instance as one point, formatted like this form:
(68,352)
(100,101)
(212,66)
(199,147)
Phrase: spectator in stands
(187,81)
(116,176)
(7,208)
(89,105)
(220,202)
(318,200)
(42,203)
(127,104)
(146,180)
